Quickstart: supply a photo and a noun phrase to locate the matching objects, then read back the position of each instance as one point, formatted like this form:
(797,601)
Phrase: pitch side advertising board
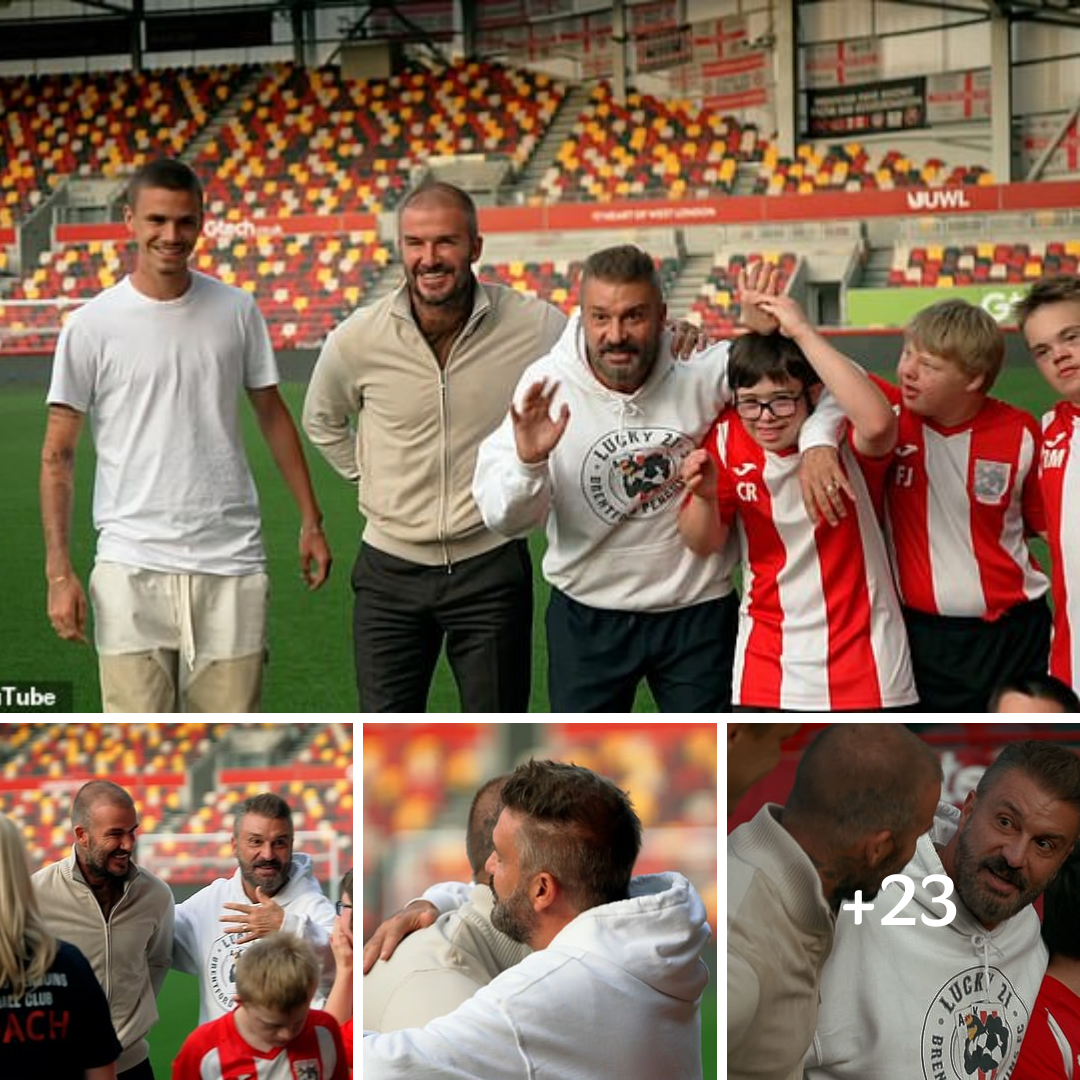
(877,308)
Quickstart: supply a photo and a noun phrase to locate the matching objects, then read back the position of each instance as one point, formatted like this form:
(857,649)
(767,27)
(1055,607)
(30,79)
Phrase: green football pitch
(310,668)
(178,1016)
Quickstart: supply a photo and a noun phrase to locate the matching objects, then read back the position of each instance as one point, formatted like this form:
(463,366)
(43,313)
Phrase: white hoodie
(610,490)
(617,993)
(935,1002)
(202,947)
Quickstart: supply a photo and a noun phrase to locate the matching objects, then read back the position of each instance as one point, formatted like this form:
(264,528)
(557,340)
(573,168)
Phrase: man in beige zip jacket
(426,374)
(118,915)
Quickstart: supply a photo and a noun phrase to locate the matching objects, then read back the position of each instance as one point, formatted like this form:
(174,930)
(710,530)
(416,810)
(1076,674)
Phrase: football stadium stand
(186,780)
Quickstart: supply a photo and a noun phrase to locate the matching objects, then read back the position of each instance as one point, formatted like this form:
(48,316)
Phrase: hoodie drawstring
(984,943)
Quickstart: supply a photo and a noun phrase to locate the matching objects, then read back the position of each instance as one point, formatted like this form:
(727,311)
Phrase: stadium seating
(946,265)
(304,284)
(313,142)
(716,309)
(152,761)
(646,148)
(849,167)
(557,280)
(101,123)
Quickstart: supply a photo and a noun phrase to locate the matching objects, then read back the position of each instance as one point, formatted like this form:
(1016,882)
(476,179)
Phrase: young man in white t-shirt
(158,363)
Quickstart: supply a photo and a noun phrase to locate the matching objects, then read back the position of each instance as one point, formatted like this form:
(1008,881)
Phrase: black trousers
(481,607)
(959,662)
(596,658)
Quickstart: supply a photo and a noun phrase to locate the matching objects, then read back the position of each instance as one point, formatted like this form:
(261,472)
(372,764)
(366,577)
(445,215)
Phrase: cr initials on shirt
(746,491)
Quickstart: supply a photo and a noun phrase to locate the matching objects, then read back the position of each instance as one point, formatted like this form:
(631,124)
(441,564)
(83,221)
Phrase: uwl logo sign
(938,200)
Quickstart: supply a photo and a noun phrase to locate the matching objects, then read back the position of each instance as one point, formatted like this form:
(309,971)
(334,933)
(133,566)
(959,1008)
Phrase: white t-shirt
(162,381)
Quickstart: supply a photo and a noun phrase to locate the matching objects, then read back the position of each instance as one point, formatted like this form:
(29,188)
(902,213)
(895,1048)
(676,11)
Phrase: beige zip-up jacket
(418,426)
(130,954)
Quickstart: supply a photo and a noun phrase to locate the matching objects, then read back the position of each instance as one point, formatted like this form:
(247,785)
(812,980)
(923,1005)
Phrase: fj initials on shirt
(904,476)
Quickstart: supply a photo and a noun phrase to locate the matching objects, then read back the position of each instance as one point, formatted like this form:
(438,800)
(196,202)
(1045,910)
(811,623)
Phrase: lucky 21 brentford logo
(633,473)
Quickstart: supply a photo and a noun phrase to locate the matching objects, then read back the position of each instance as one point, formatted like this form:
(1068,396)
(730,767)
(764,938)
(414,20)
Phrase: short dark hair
(859,778)
(624,264)
(1056,769)
(94,792)
(439,191)
(483,816)
(267,805)
(578,826)
(1057,289)
(1038,685)
(165,173)
(346,884)
(1061,900)
(754,357)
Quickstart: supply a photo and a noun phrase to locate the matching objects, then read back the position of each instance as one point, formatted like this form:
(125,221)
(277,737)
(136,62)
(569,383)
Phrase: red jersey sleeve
(727,504)
(1031,499)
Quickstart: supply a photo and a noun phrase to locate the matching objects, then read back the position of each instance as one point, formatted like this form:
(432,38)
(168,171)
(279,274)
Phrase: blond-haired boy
(273,1033)
(961,500)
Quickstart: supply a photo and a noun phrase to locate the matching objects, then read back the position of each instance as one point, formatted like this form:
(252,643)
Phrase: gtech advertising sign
(875,308)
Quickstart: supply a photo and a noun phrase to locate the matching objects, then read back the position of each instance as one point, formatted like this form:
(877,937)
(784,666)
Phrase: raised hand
(757,282)
(535,432)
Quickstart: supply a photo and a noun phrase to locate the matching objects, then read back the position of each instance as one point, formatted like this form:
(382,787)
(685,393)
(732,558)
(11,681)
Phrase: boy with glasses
(819,625)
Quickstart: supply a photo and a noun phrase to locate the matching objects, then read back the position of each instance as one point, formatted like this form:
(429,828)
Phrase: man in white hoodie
(273,889)
(592,447)
(932,982)
(614,985)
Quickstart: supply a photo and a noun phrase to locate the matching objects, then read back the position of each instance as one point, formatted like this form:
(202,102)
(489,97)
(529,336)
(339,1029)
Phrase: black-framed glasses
(779,405)
(340,906)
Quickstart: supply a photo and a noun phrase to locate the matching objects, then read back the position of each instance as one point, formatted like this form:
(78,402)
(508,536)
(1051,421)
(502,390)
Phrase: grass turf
(310,635)
(178,1016)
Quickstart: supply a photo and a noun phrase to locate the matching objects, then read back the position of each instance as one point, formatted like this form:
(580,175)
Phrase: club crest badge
(991,481)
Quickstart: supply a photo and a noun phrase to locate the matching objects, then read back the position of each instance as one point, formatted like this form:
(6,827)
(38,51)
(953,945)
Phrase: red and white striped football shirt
(1059,480)
(960,504)
(216,1051)
(820,624)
